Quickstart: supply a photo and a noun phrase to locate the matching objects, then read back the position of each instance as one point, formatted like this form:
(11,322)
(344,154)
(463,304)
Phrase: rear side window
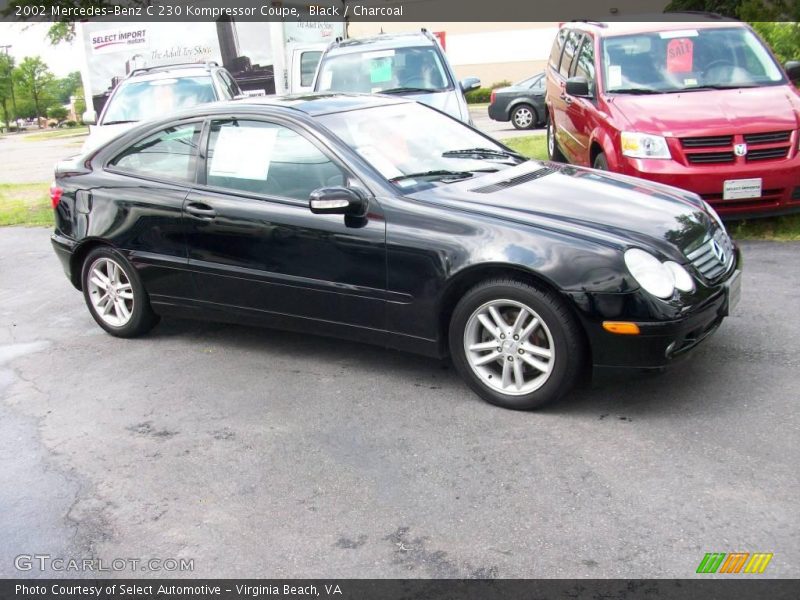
(570,49)
(558,45)
(584,65)
(169,154)
(267,159)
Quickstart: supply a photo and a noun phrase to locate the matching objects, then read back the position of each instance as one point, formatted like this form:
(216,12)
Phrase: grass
(532,146)
(56,133)
(25,204)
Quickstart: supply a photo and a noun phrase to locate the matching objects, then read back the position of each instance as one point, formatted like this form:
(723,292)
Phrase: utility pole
(11,86)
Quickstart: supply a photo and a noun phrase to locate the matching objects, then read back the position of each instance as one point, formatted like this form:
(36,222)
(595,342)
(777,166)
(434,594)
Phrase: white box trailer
(277,57)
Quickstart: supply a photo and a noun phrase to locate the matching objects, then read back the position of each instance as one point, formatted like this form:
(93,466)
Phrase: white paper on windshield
(379,161)
(614,76)
(668,35)
(325,80)
(243,152)
(690,81)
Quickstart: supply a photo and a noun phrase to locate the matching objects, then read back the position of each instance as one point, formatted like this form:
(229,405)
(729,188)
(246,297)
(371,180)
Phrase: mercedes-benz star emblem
(718,251)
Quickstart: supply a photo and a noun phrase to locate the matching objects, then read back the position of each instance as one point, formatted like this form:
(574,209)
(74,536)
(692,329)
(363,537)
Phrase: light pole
(11,86)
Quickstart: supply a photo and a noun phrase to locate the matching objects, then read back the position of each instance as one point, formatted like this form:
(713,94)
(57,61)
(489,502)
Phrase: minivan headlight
(657,278)
(644,145)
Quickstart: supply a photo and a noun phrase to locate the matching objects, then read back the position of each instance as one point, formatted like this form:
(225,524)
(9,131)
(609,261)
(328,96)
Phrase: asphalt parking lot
(261,452)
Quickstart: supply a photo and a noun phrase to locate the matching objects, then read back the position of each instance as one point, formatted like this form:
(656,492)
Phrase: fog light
(621,327)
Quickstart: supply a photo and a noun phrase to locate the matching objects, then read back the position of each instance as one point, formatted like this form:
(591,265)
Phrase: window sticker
(683,33)
(680,55)
(690,81)
(380,70)
(614,76)
(243,152)
(326,79)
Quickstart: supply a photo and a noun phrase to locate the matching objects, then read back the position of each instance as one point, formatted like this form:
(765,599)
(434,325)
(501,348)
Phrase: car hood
(709,112)
(613,210)
(100,134)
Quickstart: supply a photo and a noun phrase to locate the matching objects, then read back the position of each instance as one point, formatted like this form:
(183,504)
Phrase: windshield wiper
(719,86)
(635,90)
(438,174)
(483,153)
(408,90)
(120,122)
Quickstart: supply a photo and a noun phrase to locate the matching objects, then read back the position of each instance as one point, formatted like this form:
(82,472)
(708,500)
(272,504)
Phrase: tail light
(491,97)
(55,194)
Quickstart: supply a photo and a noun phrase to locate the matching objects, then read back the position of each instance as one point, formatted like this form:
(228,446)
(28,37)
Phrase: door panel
(269,252)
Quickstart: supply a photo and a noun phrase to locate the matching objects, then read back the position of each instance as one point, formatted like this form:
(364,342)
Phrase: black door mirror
(793,70)
(469,83)
(338,201)
(577,86)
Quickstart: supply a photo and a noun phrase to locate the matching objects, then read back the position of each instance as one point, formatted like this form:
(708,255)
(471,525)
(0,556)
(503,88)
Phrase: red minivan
(703,106)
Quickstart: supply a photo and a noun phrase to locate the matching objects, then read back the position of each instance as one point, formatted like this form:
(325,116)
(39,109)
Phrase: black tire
(553,151)
(600,162)
(142,318)
(568,346)
(524,117)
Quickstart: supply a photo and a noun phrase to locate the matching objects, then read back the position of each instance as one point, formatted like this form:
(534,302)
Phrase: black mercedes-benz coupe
(381,220)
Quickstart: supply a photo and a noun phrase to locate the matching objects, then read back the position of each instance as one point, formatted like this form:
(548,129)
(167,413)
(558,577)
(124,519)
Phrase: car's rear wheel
(553,151)
(115,295)
(523,117)
(515,345)
(600,162)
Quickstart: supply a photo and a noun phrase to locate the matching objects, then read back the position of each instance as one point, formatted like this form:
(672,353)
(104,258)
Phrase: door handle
(565,98)
(201,211)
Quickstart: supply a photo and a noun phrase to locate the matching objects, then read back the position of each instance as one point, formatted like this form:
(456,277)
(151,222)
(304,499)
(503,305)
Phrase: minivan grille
(507,183)
(711,141)
(773,137)
(720,148)
(710,157)
(714,257)
(767,153)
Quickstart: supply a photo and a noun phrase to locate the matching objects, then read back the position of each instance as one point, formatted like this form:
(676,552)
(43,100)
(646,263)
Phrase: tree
(6,81)
(59,113)
(67,87)
(35,81)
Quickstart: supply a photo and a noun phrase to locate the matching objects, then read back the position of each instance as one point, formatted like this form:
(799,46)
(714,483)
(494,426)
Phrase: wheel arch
(79,256)
(461,282)
(602,142)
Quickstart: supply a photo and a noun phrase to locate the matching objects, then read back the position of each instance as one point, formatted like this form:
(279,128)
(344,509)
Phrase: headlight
(643,145)
(655,277)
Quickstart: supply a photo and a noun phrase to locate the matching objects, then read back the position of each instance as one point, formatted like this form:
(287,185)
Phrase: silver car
(407,64)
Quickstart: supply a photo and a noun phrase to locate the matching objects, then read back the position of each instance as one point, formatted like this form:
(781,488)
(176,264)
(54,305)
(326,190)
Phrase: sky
(30,40)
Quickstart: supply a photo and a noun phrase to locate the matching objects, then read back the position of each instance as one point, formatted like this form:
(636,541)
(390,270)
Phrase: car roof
(171,71)
(382,41)
(614,28)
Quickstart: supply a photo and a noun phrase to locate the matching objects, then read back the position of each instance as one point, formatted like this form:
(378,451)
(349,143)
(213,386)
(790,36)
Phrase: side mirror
(89,117)
(793,70)
(577,86)
(469,83)
(338,201)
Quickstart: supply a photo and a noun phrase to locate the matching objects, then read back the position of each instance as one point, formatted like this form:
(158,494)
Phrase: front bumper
(660,342)
(780,188)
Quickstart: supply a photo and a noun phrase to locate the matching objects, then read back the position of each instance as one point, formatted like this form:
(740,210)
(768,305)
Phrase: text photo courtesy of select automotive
(389,299)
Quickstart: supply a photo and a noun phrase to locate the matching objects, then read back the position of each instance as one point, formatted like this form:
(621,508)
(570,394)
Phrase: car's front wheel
(517,346)
(115,295)
(523,117)
(553,151)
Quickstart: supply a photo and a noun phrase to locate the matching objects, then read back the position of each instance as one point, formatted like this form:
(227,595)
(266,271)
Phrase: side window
(168,154)
(269,159)
(558,45)
(570,49)
(308,66)
(584,66)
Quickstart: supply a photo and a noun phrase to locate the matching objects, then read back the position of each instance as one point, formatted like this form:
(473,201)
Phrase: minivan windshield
(139,100)
(412,145)
(384,71)
(675,61)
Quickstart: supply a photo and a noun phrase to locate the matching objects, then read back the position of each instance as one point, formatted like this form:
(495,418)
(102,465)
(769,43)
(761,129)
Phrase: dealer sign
(122,38)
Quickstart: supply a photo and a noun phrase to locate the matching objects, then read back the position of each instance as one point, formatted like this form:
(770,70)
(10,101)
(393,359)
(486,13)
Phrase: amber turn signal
(621,327)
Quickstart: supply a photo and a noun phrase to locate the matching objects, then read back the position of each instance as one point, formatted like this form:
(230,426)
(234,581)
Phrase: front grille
(711,141)
(507,183)
(710,157)
(767,153)
(714,256)
(773,137)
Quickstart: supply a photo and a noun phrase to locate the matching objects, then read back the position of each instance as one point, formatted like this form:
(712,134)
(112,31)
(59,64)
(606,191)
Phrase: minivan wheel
(523,117)
(114,294)
(516,346)
(553,151)
(600,162)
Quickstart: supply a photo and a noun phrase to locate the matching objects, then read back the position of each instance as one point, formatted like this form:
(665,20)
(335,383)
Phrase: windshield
(382,70)
(673,61)
(139,100)
(404,140)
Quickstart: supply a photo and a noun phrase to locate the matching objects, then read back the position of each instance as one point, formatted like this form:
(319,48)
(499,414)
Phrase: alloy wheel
(110,292)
